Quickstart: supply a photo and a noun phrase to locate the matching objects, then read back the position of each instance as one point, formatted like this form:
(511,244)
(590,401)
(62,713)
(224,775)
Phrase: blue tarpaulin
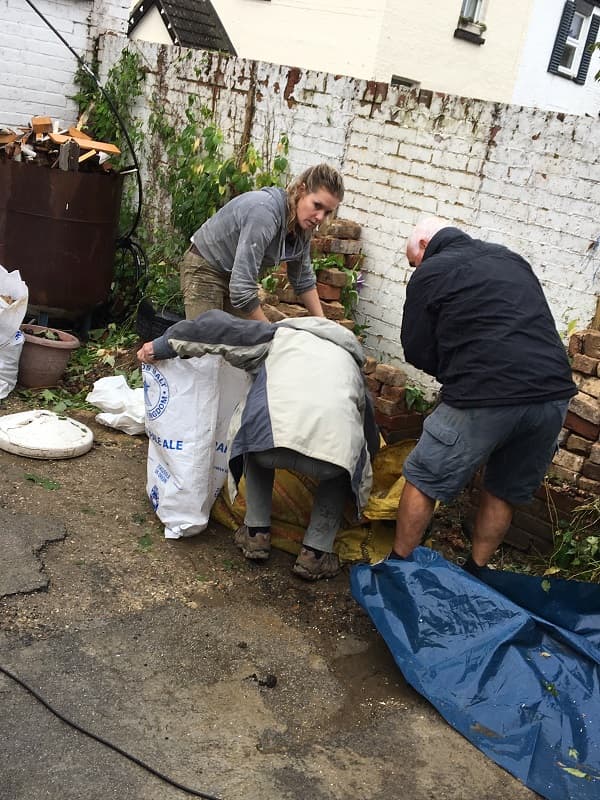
(512,662)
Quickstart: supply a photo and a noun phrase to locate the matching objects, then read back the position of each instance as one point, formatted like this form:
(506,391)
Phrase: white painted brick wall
(527,178)
(37,68)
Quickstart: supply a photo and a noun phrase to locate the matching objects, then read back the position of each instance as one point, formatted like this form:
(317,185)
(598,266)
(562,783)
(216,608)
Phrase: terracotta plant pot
(43,361)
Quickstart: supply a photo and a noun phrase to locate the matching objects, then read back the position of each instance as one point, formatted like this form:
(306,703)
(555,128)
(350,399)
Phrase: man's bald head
(420,236)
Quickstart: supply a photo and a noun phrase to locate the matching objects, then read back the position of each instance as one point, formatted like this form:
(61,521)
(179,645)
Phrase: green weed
(46,483)
(145,543)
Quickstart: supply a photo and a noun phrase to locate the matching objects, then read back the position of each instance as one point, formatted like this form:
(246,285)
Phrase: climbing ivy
(197,174)
(124,84)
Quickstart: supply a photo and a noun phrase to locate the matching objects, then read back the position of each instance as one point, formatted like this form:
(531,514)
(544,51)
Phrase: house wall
(421,46)
(152,28)
(535,86)
(527,178)
(340,36)
(37,68)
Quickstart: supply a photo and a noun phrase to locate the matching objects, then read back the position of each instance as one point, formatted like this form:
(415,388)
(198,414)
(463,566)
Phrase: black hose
(105,742)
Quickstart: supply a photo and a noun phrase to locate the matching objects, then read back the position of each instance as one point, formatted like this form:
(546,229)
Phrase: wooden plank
(89,154)
(86,144)
(41,124)
(78,134)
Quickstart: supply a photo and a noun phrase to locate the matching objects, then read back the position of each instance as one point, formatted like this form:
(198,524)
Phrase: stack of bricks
(339,238)
(387,386)
(578,460)
(577,463)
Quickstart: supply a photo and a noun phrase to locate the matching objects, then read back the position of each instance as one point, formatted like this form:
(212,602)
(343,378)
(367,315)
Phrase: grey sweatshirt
(247,235)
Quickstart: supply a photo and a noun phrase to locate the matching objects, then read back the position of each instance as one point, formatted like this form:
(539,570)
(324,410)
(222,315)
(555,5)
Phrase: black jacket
(476,318)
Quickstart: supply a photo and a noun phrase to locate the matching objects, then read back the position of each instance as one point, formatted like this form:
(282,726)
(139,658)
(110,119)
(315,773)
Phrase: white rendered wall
(417,41)
(339,36)
(151,28)
(535,86)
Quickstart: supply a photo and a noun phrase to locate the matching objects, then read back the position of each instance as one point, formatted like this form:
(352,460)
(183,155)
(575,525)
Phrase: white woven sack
(10,355)
(189,403)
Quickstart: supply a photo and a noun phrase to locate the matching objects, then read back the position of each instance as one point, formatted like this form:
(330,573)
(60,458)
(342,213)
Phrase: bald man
(476,319)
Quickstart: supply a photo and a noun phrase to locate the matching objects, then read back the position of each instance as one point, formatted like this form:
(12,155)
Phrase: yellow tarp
(369,540)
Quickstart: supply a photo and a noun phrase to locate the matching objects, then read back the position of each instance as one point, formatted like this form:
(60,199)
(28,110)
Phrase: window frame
(577,45)
(584,44)
(477,14)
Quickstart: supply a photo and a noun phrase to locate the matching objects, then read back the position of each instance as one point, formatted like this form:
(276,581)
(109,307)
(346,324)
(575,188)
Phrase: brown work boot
(257,547)
(312,567)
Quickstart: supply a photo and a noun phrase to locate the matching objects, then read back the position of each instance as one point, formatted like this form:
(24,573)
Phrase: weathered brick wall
(37,68)
(527,178)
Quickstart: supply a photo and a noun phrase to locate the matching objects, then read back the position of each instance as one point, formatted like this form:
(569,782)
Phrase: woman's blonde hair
(321,176)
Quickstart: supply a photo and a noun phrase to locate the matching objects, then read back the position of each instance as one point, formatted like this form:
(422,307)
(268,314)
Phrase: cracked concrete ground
(170,649)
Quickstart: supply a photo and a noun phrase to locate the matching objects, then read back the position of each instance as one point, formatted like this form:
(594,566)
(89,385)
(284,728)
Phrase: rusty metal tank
(59,230)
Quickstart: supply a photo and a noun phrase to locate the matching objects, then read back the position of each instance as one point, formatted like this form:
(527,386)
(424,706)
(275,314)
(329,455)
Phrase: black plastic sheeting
(513,663)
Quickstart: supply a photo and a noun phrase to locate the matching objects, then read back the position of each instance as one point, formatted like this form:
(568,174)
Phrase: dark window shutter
(561,36)
(587,53)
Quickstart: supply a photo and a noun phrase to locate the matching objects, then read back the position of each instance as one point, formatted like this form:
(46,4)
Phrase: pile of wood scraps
(44,143)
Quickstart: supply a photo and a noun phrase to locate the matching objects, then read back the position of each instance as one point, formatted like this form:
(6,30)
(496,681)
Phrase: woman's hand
(146,353)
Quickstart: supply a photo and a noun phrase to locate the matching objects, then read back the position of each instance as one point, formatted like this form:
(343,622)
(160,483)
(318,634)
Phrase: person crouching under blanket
(307,410)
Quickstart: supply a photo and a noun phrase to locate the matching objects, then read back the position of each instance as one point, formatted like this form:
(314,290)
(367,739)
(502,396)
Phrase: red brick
(591,343)
(591,470)
(332,277)
(372,385)
(341,229)
(369,365)
(327,292)
(286,294)
(577,444)
(581,426)
(398,422)
(526,541)
(393,392)
(329,244)
(576,343)
(588,485)
(352,261)
(570,461)
(291,310)
(393,376)
(533,524)
(586,407)
(390,407)
(562,473)
(585,364)
(562,501)
(333,310)
(589,386)
(272,313)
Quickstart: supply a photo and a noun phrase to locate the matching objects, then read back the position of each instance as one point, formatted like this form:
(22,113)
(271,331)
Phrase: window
(471,10)
(574,44)
(470,25)
(576,35)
